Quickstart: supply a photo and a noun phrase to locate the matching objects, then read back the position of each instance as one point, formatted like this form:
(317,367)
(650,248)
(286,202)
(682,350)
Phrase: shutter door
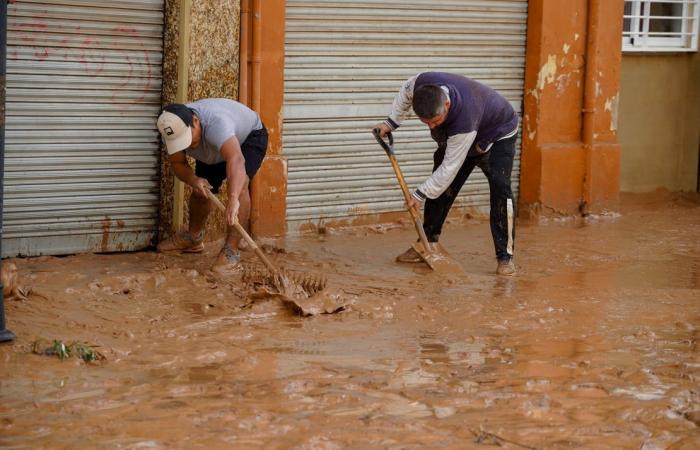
(344,63)
(83,93)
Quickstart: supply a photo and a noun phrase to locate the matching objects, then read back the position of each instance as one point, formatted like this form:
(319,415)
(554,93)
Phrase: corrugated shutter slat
(344,62)
(83,91)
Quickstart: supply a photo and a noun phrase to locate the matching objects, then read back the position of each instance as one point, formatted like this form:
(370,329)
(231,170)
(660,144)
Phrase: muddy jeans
(497,165)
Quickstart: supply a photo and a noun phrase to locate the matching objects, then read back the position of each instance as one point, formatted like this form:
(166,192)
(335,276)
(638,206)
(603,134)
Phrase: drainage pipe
(590,95)
(5,334)
(256,59)
(244,43)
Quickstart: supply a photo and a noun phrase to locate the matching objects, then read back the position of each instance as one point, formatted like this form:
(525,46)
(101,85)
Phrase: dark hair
(182,111)
(428,101)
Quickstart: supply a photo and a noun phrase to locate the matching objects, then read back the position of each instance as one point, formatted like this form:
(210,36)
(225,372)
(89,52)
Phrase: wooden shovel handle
(258,251)
(389,149)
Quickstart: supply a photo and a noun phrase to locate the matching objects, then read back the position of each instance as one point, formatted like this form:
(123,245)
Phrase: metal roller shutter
(83,92)
(344,63)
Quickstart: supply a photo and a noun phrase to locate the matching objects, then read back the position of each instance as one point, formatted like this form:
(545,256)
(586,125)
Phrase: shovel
(431,253)
(310,285)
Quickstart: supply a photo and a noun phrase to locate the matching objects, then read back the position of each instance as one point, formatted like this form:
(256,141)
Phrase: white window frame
(638,38)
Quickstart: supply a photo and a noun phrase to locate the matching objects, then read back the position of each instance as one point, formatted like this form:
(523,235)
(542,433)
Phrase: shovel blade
(437,258)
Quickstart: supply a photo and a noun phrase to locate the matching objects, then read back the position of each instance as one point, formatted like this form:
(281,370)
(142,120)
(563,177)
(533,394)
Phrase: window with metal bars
(661,25)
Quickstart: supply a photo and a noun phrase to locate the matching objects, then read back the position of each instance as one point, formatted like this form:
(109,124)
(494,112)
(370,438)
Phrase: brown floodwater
(594,344)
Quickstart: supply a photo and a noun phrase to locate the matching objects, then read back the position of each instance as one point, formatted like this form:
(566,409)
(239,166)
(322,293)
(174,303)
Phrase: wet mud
(594,344)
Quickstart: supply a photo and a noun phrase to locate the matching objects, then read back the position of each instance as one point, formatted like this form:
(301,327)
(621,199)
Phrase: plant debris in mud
(64,351)
(11,286)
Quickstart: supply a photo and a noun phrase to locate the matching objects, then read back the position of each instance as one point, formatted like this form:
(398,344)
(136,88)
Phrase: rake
(285,281)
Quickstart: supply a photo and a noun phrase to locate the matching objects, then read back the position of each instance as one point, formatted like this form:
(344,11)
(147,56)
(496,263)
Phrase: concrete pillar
(269,187)
(559,173)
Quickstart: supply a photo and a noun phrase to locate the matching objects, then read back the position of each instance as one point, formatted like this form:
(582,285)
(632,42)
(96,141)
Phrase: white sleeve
(455,154)
(403,102)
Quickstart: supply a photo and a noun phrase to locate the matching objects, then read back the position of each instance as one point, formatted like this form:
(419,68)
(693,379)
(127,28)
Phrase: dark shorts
(253,150)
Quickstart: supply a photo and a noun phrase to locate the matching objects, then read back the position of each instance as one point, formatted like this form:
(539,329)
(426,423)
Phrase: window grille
(660,25)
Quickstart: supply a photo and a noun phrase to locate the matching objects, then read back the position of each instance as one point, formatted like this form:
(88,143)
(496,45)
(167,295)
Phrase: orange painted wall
(555,87)
(559,174)
(269,187)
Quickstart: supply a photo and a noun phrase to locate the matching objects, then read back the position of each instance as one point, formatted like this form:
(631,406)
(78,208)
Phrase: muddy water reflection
(593,345)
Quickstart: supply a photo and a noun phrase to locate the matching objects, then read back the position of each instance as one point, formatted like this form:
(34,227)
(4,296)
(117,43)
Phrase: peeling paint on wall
(557,172)
(612,105)
(546,75)
(529,132)
(547,72)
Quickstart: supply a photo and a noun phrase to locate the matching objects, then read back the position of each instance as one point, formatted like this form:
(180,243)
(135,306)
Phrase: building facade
(85,81)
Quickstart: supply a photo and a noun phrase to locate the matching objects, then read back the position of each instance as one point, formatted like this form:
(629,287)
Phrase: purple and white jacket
(478,117)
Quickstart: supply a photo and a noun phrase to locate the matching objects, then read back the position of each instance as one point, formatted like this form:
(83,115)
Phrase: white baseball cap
(175,133)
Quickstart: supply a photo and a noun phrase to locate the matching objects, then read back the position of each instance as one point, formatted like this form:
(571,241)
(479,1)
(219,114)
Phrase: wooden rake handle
(258,251)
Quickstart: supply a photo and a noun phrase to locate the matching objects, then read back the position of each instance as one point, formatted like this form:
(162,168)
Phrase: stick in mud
(483,436)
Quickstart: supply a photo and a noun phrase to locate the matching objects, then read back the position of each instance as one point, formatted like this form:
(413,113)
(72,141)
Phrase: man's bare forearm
(184,173)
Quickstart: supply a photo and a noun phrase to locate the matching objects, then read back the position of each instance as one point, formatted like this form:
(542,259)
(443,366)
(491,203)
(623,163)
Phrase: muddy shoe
(183,241)
(409,256)
(506,268)
(228,259)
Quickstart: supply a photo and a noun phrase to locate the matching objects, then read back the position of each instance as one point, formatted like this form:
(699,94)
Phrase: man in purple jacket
(473,126)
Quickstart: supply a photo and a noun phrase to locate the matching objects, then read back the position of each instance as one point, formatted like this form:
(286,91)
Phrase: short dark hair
(182,111)
(428,101)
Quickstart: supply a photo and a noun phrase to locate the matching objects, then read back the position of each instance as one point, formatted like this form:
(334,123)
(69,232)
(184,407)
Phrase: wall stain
(106,224)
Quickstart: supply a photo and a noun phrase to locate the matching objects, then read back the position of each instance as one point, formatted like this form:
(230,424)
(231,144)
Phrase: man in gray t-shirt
(228,142)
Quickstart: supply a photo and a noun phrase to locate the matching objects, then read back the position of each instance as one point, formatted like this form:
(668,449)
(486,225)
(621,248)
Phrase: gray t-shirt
(221,119)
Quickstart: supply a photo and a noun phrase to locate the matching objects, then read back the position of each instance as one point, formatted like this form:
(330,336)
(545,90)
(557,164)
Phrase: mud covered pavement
(593,345)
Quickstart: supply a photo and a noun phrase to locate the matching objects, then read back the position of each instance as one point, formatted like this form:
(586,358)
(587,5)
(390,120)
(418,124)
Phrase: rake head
(285,281)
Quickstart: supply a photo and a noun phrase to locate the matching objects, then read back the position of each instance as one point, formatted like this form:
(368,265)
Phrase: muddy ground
(594,344)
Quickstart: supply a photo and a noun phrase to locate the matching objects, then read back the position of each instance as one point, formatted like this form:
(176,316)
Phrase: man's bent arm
(455,154)
(182,170)
(402,104)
